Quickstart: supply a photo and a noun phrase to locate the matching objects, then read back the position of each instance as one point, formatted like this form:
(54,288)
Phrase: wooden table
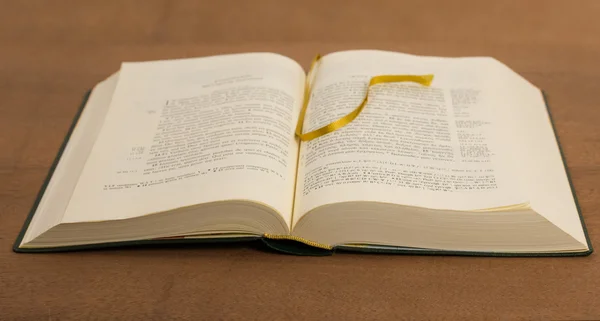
(52,52)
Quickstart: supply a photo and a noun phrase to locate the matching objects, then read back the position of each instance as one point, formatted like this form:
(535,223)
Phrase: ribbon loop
(424,80)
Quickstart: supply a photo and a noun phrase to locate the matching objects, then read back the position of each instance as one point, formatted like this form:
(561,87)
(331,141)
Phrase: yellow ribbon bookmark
(424,80)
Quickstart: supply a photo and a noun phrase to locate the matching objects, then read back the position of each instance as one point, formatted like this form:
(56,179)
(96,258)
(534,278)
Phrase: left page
(191,131)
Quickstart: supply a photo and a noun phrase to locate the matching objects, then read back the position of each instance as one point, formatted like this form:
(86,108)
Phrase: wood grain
(52,52)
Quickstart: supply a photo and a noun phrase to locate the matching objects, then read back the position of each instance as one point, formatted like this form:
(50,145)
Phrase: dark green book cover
(284,246)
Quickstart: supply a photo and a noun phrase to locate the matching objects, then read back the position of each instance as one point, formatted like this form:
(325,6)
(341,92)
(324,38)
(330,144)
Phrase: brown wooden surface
(52,52)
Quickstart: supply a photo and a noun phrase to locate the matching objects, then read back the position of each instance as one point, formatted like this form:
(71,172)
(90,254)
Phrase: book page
(436,147)
(185,132)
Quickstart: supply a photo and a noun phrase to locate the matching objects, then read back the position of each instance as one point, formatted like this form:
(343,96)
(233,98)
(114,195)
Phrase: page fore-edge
(287,246)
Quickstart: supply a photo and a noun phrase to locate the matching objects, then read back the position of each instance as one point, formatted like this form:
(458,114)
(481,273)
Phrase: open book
(204,149)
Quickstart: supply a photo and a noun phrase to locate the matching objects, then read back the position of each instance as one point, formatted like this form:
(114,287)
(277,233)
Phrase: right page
(450,146)
(435,147)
